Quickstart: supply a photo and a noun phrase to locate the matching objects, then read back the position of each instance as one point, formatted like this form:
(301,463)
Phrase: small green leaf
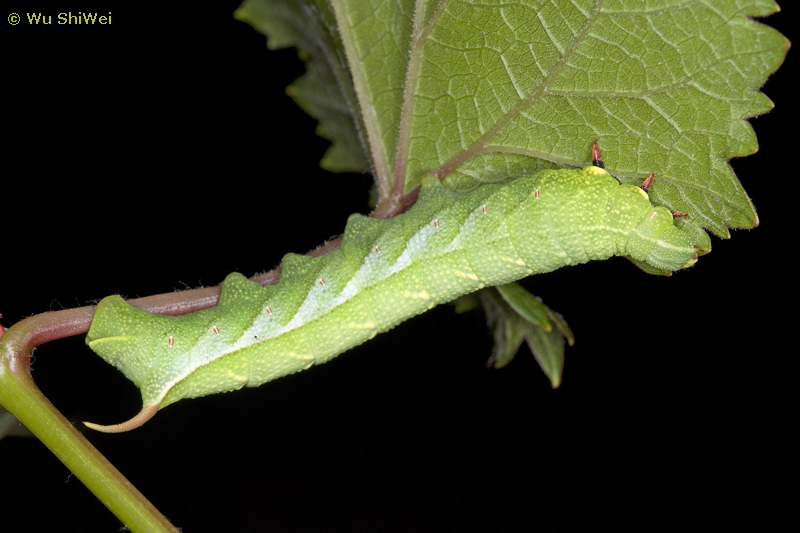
(465,303)
(525,304)
(548,350)
(561,324)
(511,324)
(508,336)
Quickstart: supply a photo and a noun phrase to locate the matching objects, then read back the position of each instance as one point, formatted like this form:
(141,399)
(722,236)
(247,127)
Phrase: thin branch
(20,396)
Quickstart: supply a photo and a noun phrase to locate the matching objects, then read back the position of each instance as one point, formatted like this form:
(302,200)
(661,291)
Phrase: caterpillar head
(657,242)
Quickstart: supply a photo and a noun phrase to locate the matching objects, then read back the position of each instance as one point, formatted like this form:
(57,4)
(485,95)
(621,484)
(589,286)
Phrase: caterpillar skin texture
(385,272)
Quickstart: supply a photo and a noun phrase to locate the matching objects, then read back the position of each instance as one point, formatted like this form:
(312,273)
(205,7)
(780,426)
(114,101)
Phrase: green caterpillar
(385,272)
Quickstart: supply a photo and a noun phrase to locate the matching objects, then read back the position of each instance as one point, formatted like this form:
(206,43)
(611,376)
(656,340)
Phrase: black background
(162,152)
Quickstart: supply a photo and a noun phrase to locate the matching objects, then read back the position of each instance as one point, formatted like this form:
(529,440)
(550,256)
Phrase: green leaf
(326,91)
(515,315)
(465,303)
(477,91)
(525,304)
(662,85)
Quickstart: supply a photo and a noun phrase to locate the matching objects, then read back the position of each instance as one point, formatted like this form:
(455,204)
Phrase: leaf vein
(457,160)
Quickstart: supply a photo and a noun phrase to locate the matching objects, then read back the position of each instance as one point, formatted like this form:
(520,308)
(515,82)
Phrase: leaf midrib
(409,91)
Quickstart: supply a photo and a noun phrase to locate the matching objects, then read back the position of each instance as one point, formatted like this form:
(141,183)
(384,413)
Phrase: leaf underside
(481,91)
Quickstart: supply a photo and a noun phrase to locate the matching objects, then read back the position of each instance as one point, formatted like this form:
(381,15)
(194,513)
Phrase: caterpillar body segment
(385,272)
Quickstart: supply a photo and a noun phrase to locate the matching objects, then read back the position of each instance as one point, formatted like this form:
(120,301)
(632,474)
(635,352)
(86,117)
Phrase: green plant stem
(20,396)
